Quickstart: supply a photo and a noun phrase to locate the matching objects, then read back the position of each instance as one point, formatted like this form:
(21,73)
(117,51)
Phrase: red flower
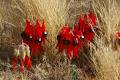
(92,18)
(29,29)
(76,44)
(40,36)
(83,31)
(14,63)
(118,35)
(28,62)
(76,40)
(28,34)
(22,65)
(87,24)
(22,54)
(69,52)
(64,38)
(69,41)
(34,36)
(65,41)
(81,23)
(40,32)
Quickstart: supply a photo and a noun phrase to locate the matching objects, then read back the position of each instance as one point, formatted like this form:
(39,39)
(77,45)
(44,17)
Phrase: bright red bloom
(28,62)
(36,49)
(77,40)
(69,41)
(83,31)
(14,64)
(69,52)
(81,23)
(64,38)
(40,31)
(65,33)
(92,18)
(64,41)
(118,35)
(28,34)
(40,36)
(29,29)
(34,36)
(76,44)
(87,24)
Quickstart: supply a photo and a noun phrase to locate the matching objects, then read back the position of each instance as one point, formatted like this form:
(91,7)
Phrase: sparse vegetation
(104,52)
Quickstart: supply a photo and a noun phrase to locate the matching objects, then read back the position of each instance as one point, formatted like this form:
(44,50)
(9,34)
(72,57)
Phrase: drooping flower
(92,18)
(76,40)
(70,41)
(40,37)
(27,58)
(64,41)
(28,34)
(28,62)
(34,36)
(87,24)
(64,38)
(83,32)
(118,35)
(22,54)
(15,59)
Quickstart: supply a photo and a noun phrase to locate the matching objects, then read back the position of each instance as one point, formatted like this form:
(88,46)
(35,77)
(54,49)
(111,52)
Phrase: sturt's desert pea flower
(77,40)
(34,36)
(69,41)
(22,55)
(118,37)
(64,40)
(87,24)
(83,32)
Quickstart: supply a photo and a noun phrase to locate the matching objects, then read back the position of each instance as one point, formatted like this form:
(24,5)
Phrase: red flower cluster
(22,55)
(83,31)
(34,36)
(87,24)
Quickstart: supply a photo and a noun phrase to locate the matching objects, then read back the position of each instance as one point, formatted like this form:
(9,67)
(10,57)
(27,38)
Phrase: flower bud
(27,51)
(22,51)
(16,52)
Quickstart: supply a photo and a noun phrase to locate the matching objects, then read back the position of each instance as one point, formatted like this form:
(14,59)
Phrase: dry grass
(105,58)
(108,12)
(106,61)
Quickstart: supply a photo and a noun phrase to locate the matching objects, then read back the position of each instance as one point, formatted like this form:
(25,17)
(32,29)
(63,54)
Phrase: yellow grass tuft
(108,12)
(107,60)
